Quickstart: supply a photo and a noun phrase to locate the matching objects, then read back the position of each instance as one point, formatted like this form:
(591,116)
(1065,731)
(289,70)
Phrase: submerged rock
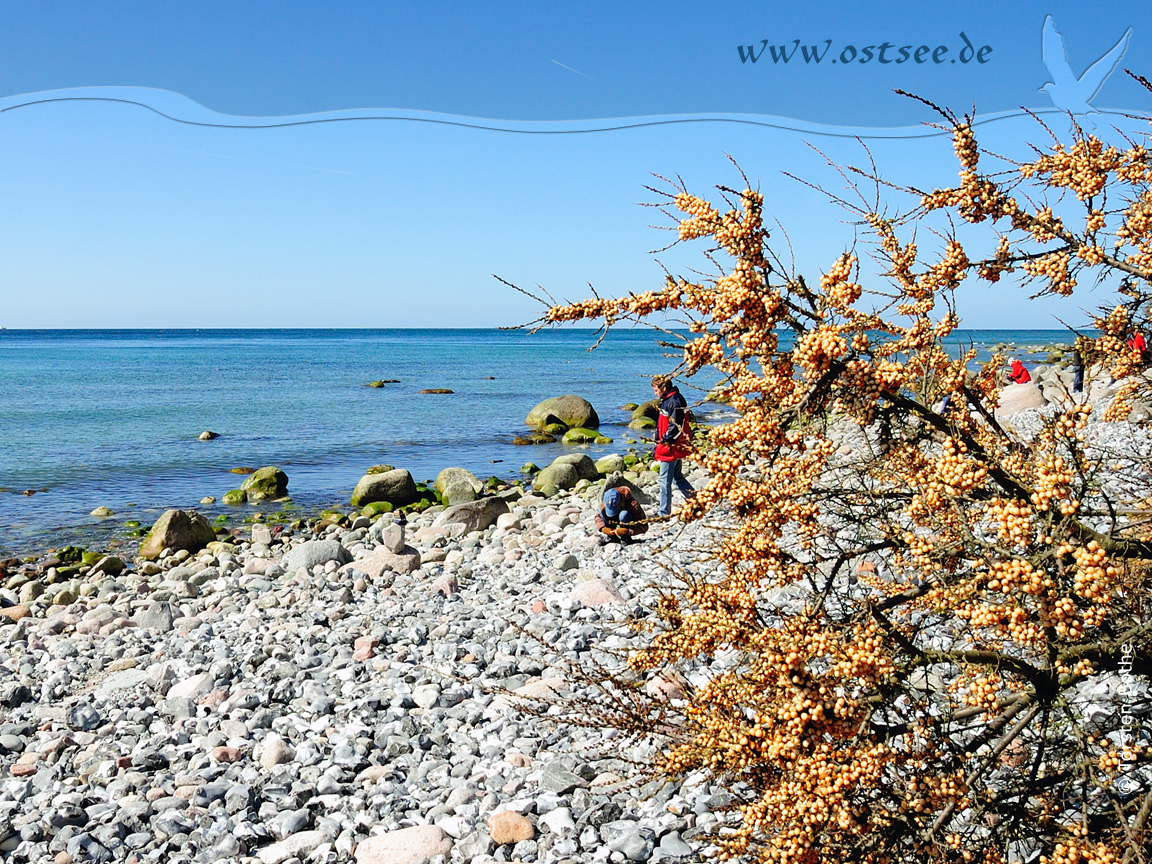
(570,410)
(581,436)
(266,483)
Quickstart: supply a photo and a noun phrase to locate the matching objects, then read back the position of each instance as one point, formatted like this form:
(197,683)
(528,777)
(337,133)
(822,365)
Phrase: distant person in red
(1018,373)
(1137,344)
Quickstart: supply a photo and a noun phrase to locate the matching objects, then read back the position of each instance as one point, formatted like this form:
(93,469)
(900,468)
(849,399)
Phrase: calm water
(111,417)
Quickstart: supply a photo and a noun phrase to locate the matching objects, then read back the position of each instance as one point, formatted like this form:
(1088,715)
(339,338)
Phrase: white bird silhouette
(1066,91)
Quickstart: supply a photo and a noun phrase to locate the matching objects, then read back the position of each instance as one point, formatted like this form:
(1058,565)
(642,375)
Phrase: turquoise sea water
(111,417)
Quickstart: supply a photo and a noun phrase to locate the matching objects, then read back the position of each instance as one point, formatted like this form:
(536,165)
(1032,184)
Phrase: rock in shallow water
(265,484)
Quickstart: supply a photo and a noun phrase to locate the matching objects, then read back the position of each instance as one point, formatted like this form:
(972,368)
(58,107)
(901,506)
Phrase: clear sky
(114,216)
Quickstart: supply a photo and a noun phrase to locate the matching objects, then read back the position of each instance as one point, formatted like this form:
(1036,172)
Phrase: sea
(111,418)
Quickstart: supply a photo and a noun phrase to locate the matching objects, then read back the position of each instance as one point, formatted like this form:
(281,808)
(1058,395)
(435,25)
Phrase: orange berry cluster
(1054,268)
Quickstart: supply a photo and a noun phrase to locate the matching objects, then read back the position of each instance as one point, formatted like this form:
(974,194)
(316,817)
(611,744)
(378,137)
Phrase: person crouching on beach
(673,440)
(621,518)
(1019,374)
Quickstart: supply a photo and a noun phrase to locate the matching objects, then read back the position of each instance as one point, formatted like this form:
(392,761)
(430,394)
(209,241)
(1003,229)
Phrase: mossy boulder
(529,468)
(376,508)
(649,409)
(396,487)
(555,428)
(70,554)
(581,436)
(610,464)
(642,423)
(380,469)
(571,410)
(235,496)
(266,483)
(177,529)
(109,564)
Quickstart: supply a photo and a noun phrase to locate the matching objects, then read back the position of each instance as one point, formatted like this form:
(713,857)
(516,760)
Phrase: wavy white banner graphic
(180,109)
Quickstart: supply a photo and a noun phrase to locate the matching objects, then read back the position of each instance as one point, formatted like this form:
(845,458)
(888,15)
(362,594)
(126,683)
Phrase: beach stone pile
(348,695)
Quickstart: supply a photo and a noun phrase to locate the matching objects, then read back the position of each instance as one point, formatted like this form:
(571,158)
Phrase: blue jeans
(671,472)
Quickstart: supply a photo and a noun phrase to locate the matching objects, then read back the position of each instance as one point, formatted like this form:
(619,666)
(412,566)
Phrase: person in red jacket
(1018,373)
(621,518)
(1137,345)
(673,441)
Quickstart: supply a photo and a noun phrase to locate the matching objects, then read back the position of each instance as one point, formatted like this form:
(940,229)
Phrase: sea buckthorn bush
(910,648)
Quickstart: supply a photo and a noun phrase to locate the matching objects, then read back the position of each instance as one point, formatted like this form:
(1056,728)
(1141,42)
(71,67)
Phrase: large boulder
(404,846)
(613,463)
(650,410)
(177,529)
(1019,397)
(382,560)
(451,476)
(458,485)
(308,555)
(396,487)
(474,515)
(265,484)
(572,411)
(585,467)
(460,492)
(561,475)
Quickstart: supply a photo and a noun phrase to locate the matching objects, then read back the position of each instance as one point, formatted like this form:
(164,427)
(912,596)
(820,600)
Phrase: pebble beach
(338,696)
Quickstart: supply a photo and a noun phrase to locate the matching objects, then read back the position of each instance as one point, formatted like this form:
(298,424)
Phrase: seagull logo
(1069,93)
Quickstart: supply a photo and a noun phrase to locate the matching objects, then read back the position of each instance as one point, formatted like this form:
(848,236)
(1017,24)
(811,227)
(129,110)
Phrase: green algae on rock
(266,483)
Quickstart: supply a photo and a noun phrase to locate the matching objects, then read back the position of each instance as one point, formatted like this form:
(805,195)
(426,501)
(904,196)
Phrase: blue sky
(114,216)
